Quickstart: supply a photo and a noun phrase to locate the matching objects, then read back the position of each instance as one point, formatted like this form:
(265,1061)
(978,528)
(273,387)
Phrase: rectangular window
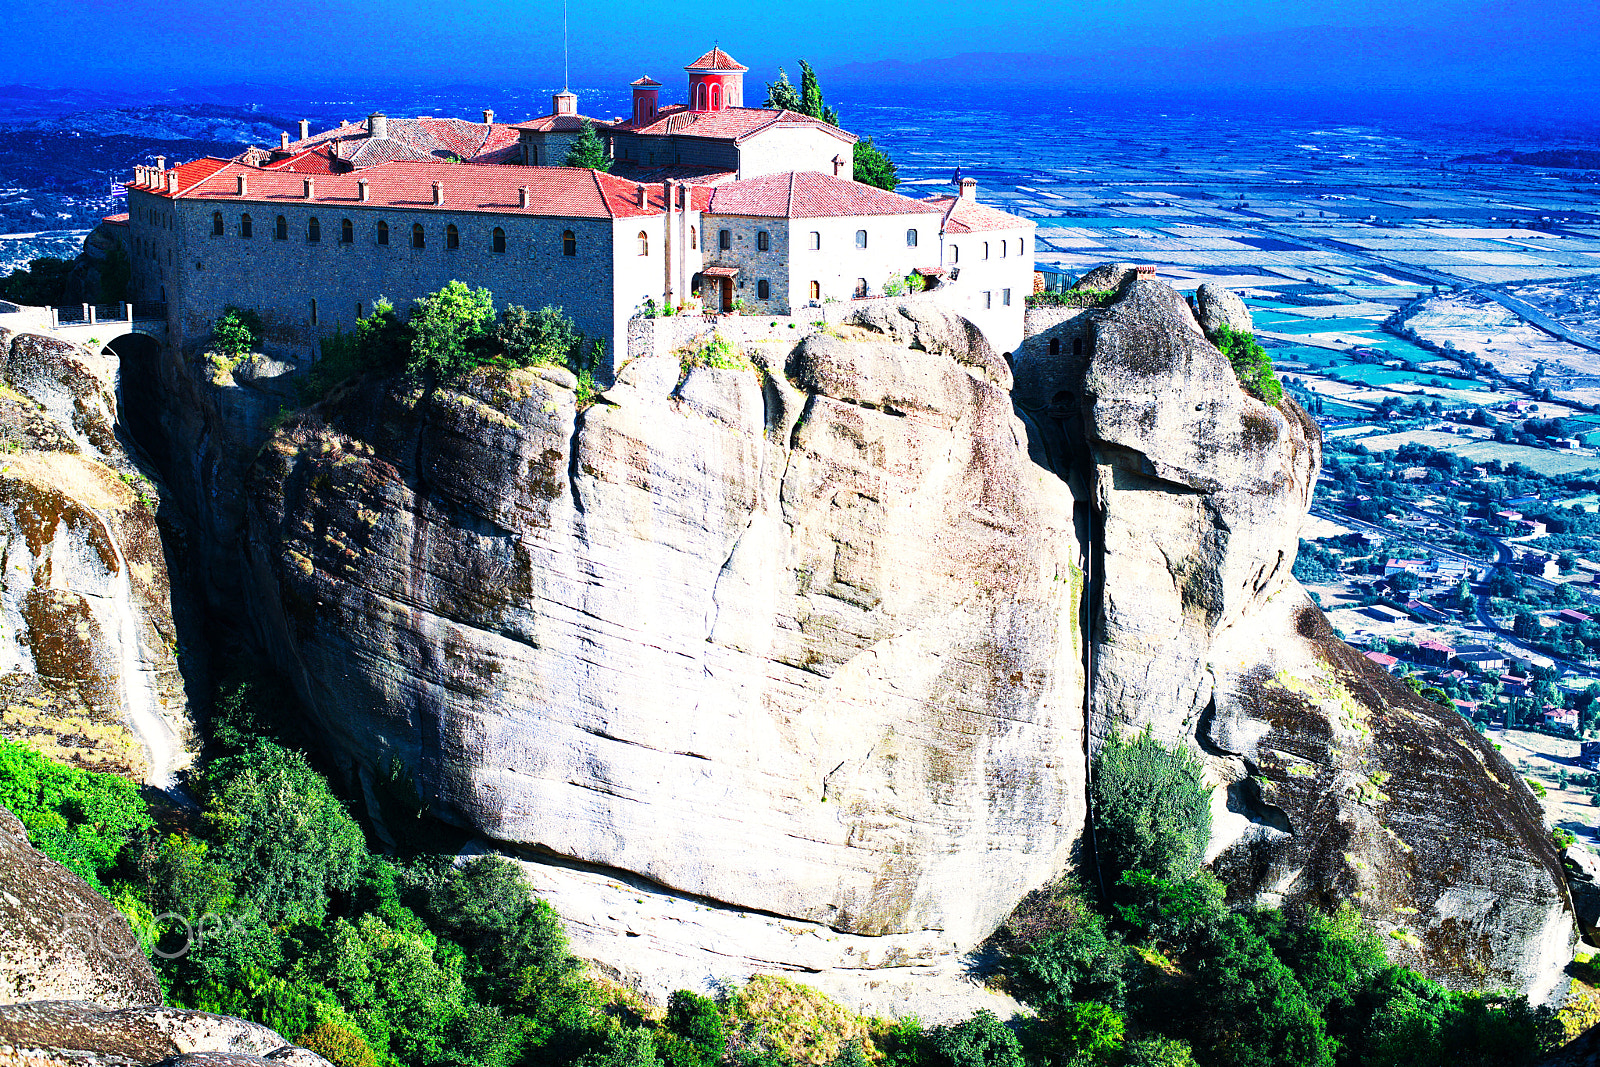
(724,239)
(988,299)
(1005,297)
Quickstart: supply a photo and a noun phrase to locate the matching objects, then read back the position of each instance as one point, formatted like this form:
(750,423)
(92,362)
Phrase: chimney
(522,196)
(161,163)
(438,192)
(305,129)
(564,103)
(641,196)
(344,124)
(172,181)
(378,126)
(361,190)
(969,188)
(311,189)
(283,141)
(244,186)
(488,117)
(138,175)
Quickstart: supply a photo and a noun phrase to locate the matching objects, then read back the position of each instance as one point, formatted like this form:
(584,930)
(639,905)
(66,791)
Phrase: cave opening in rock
(139,393)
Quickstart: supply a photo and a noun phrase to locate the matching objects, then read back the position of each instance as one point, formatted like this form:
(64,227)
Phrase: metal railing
(92,314)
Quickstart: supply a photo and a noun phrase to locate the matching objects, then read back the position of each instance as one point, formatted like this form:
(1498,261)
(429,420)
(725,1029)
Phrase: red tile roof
(681,172)
(967,216)
(716,59)
(563,192)
(808,195)
(561,124)
(646,82)
(116,220)
(1381,660)
(730,124)
(418,140)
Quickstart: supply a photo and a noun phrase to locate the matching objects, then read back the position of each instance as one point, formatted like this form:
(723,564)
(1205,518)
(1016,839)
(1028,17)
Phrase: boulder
(1333,782)
(59,939)
(1107,276)
(1217,307)
(798,643)
(81,1033)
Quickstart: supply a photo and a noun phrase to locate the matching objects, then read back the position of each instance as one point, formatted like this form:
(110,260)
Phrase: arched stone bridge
(90,325)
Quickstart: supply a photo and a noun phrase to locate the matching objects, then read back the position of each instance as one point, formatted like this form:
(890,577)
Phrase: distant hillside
(1560,158)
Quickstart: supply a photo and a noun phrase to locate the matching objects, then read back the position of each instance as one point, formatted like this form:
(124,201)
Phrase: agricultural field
(1546,462)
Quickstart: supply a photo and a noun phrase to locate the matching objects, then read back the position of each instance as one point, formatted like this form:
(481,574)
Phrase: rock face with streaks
(801,638)
(88,671)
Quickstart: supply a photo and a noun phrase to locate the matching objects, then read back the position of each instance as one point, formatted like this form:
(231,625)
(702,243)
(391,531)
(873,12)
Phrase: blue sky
(169,43)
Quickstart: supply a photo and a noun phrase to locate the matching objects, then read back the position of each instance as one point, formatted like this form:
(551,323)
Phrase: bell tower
(716,81)
(646,99)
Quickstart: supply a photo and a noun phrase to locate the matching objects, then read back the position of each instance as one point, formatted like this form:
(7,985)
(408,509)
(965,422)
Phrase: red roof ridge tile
(717,59)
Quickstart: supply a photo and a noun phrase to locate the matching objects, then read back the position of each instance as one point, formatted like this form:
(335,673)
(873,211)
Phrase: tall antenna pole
(566,61)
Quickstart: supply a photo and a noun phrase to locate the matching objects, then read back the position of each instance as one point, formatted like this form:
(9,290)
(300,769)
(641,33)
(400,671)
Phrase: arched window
(216,224)
(452,236)
(986,250)
(763,241)
(644,243)
(955,254)
(724,239)
(1004,245)
(1021,248)
(700,97)
(499,239)
(347,232)
(716,98)
(244,226)
(911,238)
(763,290)
(569,243)
(282,232)
(1055,346)
(694,235)
(816,240)
(418,240)
(816,290)
(313,229)
(313,311)
(383,232)
(861,238)
(861,288)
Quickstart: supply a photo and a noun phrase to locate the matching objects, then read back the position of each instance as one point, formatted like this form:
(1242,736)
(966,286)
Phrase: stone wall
(600,287)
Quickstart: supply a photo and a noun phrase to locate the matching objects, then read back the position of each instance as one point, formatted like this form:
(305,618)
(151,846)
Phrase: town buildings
(711,205)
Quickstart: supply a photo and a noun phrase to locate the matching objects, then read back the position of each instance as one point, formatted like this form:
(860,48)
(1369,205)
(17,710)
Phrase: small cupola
(646,99)
(564,103)
(378,126)
(716,81)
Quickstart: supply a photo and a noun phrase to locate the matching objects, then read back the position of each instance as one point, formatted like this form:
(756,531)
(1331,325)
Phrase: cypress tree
(588,151)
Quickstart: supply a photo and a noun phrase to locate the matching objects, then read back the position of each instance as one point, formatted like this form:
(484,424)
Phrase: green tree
(81,819)
(1250,363)
(446,327)
(783,95)
(42,283)
(1157,1052)
(1150,807)
(235,332)
(533,339)
(810,92)
(981,1041)
(588,151)
(874,167)
(284,839)
(1081,961)
(1250,1008)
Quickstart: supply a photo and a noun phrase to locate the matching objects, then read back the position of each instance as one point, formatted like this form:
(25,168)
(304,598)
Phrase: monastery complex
(709,205)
